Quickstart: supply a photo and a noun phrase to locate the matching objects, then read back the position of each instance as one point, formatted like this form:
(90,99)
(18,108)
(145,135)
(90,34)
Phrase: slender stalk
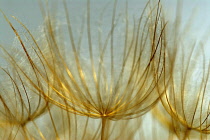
(25,134)
(187,133)
(103,122)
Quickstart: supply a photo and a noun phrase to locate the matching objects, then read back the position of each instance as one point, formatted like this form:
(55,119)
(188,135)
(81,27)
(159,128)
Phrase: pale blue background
(28,12)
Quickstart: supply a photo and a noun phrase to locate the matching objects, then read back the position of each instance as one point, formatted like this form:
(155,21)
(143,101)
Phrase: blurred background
(195,13)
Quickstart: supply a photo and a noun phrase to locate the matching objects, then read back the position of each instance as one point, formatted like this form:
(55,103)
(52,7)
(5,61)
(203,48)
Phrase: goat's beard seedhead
(186,84)
(116,72)
(103,83)
(113,77)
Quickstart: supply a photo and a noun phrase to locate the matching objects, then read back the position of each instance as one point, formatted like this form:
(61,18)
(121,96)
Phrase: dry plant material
(186,85)
(186,98)
(113,81)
